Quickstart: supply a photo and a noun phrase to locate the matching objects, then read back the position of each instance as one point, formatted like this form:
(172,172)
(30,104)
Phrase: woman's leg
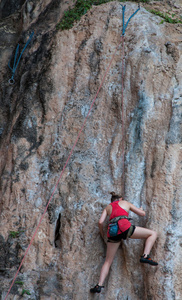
(111,251)
(144,233)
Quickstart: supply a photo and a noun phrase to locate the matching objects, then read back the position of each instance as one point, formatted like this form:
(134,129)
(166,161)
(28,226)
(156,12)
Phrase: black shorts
(122,236)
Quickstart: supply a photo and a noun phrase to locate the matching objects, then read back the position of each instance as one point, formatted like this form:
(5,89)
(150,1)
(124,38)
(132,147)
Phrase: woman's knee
(154,234)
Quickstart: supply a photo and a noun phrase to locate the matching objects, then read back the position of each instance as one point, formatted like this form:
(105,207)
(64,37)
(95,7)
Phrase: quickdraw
(16,62)
(123,11)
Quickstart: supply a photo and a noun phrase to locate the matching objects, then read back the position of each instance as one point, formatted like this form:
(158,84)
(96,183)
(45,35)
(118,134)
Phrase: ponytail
(115,197)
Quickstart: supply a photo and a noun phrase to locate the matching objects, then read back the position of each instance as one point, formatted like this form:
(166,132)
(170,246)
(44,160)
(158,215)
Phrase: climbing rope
(123,121)
(122,94)
(107,70)
(16,62)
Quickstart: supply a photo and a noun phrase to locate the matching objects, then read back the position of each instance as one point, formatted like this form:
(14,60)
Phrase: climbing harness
(12,78)
(113,225)
(122,89)
(16,61)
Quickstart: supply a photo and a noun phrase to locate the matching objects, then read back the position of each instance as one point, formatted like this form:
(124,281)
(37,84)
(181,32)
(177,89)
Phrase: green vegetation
(24,291)
(19,282)
(27,292)
(74,14)
(81,7)
(165,16)
(14,234)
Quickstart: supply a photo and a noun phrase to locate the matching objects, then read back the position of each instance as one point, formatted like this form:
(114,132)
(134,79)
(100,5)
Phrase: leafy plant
(14,234)
(165,16)
(74,14)
(27,292)
(19,282)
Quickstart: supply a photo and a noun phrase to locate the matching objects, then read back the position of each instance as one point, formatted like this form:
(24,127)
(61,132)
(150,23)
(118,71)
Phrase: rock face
(40,118)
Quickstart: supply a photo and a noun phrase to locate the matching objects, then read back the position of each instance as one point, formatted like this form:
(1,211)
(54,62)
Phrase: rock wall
(40,118)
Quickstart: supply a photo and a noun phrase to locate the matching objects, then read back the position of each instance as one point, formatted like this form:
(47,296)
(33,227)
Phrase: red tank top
(117,211)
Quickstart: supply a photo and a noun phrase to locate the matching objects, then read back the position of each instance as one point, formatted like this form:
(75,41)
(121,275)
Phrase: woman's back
(117,210)
(121,203)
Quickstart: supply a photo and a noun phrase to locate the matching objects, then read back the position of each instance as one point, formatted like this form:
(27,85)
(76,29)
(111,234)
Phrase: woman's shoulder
(124,204)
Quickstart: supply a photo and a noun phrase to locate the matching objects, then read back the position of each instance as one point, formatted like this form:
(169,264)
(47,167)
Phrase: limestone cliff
(40,118)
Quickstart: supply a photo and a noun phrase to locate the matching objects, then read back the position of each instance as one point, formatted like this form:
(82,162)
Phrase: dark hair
(115,196)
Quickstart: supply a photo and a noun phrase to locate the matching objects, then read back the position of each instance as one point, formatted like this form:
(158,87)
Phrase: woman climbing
(118,211)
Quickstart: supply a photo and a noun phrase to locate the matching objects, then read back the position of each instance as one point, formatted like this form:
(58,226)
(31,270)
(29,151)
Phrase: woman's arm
(136,210)
(101,221)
